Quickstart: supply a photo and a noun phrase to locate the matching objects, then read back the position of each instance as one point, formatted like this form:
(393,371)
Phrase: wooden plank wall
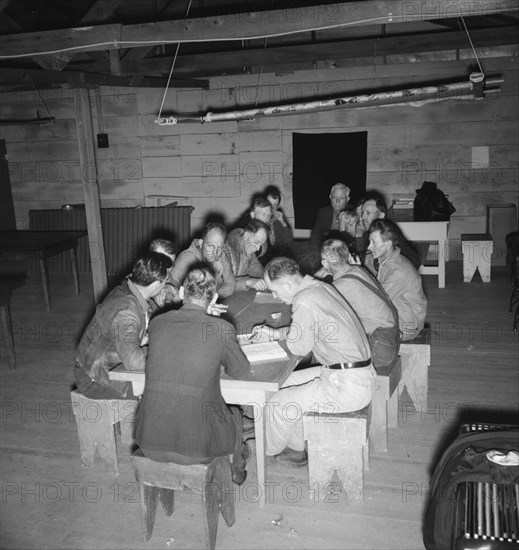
(216,167)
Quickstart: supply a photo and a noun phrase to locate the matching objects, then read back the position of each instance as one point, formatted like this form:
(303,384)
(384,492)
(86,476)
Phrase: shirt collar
(393,254)
(136,292)
(308,280)
(193,306)
(342,271)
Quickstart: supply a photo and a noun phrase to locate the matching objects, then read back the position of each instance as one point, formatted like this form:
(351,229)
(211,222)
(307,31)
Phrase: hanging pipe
(474,87)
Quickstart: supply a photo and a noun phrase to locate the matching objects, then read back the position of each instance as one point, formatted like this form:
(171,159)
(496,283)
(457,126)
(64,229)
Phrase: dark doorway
(320,161)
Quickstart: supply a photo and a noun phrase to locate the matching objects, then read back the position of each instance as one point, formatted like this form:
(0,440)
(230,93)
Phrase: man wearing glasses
(207,250)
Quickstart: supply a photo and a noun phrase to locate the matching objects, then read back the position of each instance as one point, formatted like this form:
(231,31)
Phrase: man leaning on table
(325,324)
(117,334)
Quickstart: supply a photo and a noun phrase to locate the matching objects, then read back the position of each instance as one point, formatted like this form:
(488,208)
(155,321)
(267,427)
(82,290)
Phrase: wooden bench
(338,444)
(96,420)
(477,252)
(384,405)
(160,480)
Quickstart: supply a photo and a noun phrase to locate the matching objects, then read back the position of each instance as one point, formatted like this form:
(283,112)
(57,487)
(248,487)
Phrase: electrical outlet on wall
(102,141)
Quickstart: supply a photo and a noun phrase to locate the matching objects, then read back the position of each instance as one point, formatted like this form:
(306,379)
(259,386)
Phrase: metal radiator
(127,233)
(488,513)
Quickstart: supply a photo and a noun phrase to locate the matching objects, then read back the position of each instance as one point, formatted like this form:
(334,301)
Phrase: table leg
(45,282)
(73,263)
(260,411)
(442,251)
(7,331)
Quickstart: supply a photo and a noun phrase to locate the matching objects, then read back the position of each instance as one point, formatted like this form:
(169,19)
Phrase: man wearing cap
(322,323)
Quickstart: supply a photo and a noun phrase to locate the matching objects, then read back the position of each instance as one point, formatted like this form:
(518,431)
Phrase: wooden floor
(50,501)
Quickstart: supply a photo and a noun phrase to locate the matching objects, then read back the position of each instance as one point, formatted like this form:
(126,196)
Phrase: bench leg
(378,425)
(351,474)
(484,271)
(96,432)
(127,421)
(226,491)
(167,499)
(6,329)
(392,410)
(149,501)
(210,504)
(416,359)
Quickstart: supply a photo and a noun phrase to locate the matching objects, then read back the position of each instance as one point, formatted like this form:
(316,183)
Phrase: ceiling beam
(100,11)
(224,62)
(78,79)
(136,54)
(246,25)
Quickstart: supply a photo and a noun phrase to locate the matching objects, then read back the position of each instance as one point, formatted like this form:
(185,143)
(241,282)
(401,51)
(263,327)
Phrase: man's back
(182,408)
(113,336)
(324,323)
(370,308)
(403,285)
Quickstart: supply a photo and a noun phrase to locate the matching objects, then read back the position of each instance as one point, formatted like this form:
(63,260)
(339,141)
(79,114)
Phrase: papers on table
(261,351)
(265,298)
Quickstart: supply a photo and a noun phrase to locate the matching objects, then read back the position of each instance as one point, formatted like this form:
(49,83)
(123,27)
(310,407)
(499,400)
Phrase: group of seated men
(349,328)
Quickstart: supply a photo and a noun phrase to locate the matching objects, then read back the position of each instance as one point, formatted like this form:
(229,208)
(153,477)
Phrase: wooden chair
(338,444)
(160,480)
(96,420)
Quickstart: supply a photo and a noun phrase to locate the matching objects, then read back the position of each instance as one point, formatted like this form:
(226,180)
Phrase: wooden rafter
(216,63)
(246,25)
(100,11)
(76,79)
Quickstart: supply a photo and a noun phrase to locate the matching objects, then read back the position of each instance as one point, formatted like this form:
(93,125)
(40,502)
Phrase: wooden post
(90,190)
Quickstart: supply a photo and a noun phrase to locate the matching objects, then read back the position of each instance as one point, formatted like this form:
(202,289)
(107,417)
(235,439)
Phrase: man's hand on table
(256,284)
(263,333)
(216,309)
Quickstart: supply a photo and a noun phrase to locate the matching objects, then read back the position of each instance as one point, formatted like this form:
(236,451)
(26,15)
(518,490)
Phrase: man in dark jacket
(183,417)
(117,332)
(326,225)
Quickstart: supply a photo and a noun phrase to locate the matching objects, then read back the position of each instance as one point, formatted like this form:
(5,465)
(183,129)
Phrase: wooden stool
(416,359)
(338,443)
(384,405)
(159,481)
(477,252)
(96,420)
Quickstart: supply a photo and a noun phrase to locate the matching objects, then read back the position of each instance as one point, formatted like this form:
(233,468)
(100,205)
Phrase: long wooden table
(43,245)
(265,378)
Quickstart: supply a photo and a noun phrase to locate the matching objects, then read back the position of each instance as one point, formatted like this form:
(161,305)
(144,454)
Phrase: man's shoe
(239,476)
(247,430)
(239,473)
(298,459)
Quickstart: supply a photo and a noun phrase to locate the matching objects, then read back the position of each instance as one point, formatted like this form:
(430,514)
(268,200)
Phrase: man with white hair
(327,219)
